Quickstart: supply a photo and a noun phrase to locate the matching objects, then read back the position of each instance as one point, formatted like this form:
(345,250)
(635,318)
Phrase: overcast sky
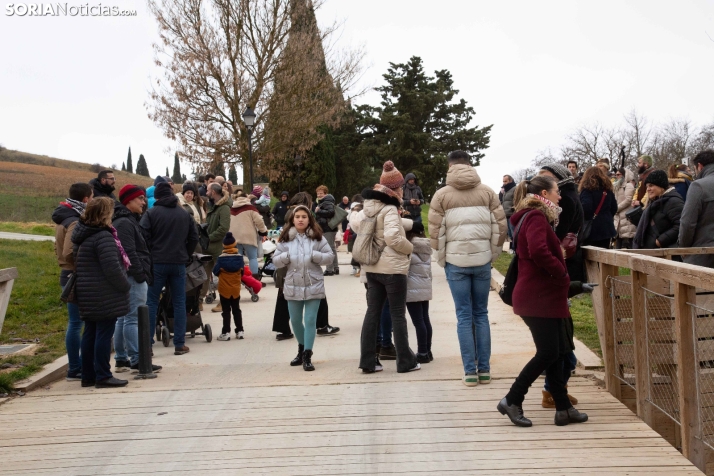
(75,88)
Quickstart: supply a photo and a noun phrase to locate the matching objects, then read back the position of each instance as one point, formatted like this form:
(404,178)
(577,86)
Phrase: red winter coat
(543,282)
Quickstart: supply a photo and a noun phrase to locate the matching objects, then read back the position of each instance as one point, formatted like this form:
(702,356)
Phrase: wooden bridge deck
(414,427)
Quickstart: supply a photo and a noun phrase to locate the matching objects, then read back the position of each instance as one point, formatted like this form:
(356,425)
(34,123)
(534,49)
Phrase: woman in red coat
(540,297)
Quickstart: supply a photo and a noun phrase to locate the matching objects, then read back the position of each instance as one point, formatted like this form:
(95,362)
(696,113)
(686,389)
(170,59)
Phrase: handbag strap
(517,230)
(602,200)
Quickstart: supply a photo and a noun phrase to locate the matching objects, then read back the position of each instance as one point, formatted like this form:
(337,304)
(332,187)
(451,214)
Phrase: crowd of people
(132,249)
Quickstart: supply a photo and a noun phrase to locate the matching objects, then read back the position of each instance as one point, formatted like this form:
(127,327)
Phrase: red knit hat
(391,177)
(129,193)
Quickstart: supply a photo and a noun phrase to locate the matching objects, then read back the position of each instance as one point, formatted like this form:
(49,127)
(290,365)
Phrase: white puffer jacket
(303,257)
(419,278)
(624,191)
(389,233)
(467,225)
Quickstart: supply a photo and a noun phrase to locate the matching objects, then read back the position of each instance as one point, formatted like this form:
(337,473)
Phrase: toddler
(229,268)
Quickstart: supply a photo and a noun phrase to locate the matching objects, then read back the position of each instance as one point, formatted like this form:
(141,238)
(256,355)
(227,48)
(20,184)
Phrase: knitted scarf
(125,259)
(76,205)
(555,210)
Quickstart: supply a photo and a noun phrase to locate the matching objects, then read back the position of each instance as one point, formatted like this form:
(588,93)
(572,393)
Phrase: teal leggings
(305,334)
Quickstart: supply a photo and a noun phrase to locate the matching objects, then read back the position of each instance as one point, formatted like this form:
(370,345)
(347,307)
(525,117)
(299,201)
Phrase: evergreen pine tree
(129,165)
(123,167)
(232,175)
(141,168)
(176,177)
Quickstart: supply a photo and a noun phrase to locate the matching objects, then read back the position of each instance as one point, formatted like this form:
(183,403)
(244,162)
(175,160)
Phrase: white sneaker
(224,337)
(417,367)
(354,270)
(240,335)
(470,380)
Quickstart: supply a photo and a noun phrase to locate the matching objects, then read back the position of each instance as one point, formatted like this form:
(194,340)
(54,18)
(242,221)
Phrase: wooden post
(7,277)
(644,410)
(687,375)
(608,351)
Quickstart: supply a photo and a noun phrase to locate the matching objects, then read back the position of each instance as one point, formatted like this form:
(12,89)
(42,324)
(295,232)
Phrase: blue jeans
(126,332)
(173,276)
(97,350)
(252,253)
(304,333)
(510,231)
(73,337)
(469,289)
(569,364)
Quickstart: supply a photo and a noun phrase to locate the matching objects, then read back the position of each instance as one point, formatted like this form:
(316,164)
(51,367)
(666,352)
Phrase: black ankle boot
(306,361)
(571,415)
(298,360)
(514,412)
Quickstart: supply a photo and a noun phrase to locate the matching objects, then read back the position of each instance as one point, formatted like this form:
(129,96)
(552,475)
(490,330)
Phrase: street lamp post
(249,119)
(298,162)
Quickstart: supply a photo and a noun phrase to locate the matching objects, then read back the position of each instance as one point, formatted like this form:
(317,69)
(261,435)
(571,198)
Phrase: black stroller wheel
(208,332)
(158,332)
(209,299)
(254,298)
(165,336)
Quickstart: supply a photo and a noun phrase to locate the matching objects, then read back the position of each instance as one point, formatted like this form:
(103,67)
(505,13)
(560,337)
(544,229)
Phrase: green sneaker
(484,378)
(470,380)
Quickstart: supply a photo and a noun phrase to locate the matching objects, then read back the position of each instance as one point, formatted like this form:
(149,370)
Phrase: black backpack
(509,281)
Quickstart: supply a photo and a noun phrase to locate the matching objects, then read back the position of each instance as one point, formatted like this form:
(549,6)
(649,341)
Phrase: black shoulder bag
(68,292)
(509,281)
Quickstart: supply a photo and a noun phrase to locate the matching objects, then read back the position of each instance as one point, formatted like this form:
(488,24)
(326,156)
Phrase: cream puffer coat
(624,191)
(390,234)
(467,225)
(303,257)
(419,277)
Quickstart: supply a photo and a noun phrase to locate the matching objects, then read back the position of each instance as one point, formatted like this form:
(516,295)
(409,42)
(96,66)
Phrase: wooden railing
(655,320)
(7,277)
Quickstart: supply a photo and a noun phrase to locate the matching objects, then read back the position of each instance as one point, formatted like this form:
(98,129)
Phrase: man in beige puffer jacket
(467,227)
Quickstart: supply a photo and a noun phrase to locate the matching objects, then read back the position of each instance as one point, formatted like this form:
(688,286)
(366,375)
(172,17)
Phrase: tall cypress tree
(123,167)
(176,177)
(167,171)
(141,168)
(129,165)
(232,175)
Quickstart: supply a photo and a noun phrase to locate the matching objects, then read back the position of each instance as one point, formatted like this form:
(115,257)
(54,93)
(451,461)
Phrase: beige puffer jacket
(390,234)
(246,222)
(467,225)
(624,191)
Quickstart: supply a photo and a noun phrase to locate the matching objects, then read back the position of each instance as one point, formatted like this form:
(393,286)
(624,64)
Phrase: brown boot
(218,308)
(548,401)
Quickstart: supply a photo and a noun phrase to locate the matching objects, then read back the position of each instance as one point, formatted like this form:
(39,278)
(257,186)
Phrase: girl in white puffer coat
(419,291)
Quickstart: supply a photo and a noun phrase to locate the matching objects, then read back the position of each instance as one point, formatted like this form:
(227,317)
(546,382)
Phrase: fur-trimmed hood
(535,204)
(223,200)
(374,201)
(292,233)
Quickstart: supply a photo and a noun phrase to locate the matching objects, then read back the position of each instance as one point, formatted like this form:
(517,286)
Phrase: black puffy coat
(102,288)
(660,222)
(325,213)
(604,225)
(132,240)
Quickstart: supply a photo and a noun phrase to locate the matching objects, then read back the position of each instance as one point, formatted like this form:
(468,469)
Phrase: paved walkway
(6,235)
(237,407)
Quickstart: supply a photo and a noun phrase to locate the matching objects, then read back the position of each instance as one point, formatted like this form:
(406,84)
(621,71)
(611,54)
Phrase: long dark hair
(311,225)
(595,179)
(535,185)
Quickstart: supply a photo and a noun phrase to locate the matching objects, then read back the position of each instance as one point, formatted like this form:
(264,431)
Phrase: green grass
(28,228)
(35,310)
(585,327)
(425,218)
(27,208)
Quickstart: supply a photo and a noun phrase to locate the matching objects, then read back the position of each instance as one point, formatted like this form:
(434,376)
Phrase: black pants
(281,317)
(623,243)
(551,338)
(228,305)
(419,312)
(380,288)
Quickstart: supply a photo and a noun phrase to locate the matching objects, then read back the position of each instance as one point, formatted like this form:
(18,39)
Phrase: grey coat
(303,257)
(696,227)
(419,277)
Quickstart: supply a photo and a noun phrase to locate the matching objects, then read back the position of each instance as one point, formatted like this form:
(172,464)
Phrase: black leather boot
(307,361)
(298,360)
(514,412)
(571,415)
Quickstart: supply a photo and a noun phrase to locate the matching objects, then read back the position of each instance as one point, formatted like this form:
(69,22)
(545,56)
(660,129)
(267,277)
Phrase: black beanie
(188,186)
(659,178)
(163,190)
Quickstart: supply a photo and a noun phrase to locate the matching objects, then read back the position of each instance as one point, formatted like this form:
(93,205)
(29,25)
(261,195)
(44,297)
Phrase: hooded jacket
(419,277)
(389,233)
(245,222)
(170,232)
(660,222)
(467,225)
(696,228)
(412,192)
(325,213)
(219,221)
(303,258)
(681,184)
(102,190)
(624,191)
(281,209)
(543,282)
(132,240)
(102,289)
(65,218)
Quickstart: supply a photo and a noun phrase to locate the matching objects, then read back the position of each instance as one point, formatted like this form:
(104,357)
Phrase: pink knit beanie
(391,177)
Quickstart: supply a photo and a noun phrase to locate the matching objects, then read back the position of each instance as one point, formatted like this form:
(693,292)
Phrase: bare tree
(220,56)
(522,174)
(637,133)
(671,142)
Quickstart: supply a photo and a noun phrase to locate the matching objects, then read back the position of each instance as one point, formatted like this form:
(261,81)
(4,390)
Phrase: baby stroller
(195,277)
(268,268)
